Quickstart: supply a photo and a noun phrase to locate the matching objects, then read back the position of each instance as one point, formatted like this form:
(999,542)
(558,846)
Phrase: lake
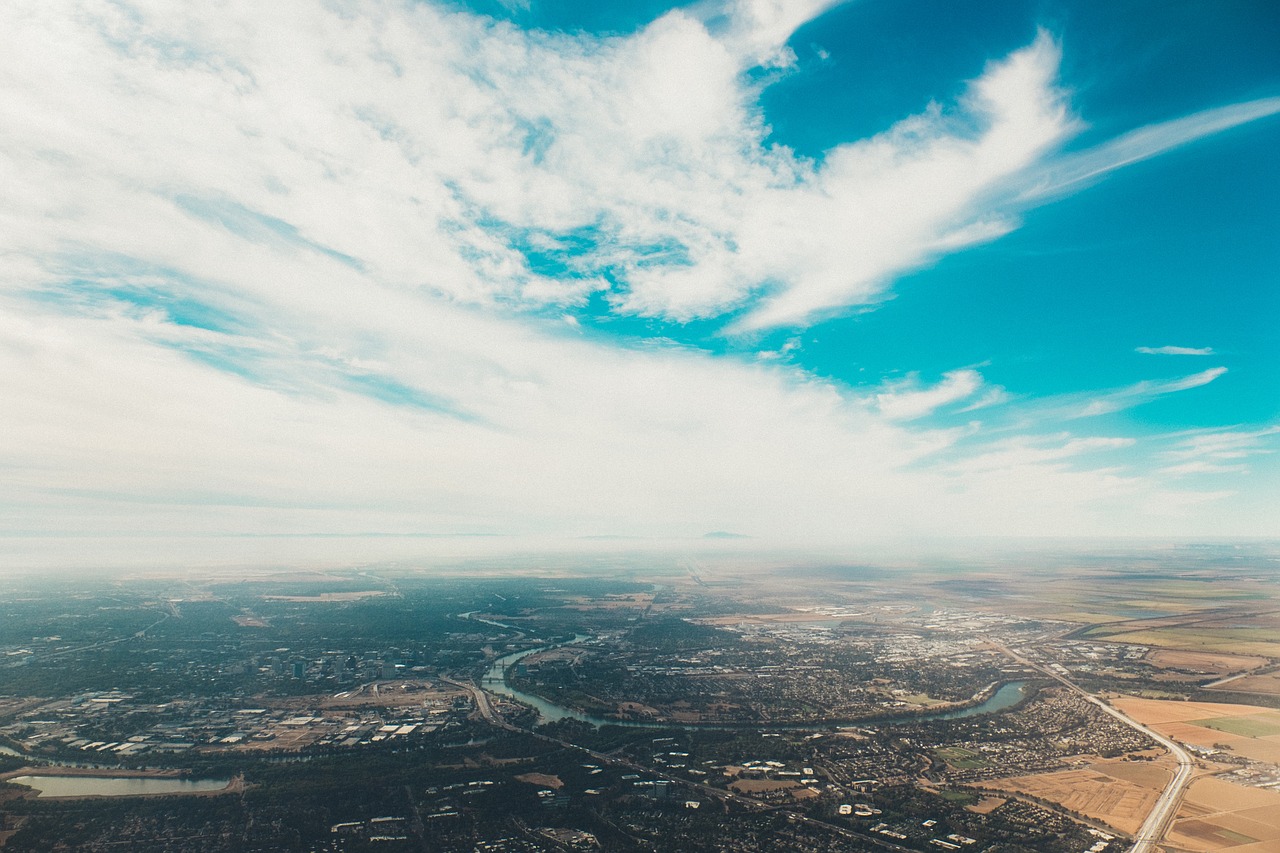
(116,786)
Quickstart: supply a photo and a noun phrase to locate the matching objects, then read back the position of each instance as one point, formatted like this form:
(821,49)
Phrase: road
(101,644)
(486,711)
(482,704)
(1162,813)
(1257,670)
(1146,840)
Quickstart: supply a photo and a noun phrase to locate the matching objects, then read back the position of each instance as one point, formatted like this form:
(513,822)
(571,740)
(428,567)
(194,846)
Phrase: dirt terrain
(1243,729)
(1116,792)
(1220,815)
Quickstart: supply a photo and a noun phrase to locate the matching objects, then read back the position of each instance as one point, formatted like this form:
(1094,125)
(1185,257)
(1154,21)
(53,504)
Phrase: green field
(1240,641)
(1246,726)
(961,759)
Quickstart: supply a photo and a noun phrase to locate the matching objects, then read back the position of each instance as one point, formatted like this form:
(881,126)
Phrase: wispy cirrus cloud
(1217,451)
(1146,391)
(1172,350)
(1070,172)
(907,399)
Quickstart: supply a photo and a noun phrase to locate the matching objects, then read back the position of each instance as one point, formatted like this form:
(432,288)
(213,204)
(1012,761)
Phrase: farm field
(1118,793)
(1243,641)
(1219,815)
(1244,729)
(1265,683)
(1203,663)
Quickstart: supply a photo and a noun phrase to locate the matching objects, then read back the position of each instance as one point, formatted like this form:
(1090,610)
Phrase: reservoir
(495,681)
(115,786)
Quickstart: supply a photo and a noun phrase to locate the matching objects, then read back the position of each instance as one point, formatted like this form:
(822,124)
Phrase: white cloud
(758,30)
(1146,391)
(491,164)
(267,267)
(1218,451)
(907,400)
(1171,350)
(1053,450)
(1071,172)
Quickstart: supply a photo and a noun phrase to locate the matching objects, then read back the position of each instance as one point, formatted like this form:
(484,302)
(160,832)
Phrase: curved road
(1162,813)
(1149,835)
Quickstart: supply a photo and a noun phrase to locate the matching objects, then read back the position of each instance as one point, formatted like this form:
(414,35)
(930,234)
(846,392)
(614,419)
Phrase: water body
(1007,696)
(113,786)
(471,614)
(495,681)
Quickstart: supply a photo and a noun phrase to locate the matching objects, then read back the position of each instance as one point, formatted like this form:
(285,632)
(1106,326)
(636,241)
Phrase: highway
(483,708)
(1146,840)
(1162,813)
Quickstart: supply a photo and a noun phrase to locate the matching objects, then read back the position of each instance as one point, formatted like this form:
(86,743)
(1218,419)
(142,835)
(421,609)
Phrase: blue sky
(817,273)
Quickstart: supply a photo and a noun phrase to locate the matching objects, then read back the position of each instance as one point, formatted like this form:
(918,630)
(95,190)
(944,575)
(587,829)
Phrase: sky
(348,280)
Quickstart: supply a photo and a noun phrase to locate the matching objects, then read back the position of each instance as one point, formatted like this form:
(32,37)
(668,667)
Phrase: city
(395,710)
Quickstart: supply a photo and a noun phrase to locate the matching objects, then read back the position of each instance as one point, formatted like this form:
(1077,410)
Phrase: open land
(1267,683)
(1117,793)
(766,707)
(1219,815)
(1243,730)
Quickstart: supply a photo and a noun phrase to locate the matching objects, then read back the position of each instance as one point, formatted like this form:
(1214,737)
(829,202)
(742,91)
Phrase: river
(495,681)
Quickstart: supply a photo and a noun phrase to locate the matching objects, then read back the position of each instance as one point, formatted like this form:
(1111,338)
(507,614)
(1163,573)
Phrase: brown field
(542,780)
(1202,639)
(639,600)
(328,596)
(1266,683)
(1205,663)
(1157,711)
(626,708)
(1184,721)
(1218,815)
(1145,774)
(987,805)
(794,617)
(13,705)
(1118,793)
(755,786)
(564,653)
